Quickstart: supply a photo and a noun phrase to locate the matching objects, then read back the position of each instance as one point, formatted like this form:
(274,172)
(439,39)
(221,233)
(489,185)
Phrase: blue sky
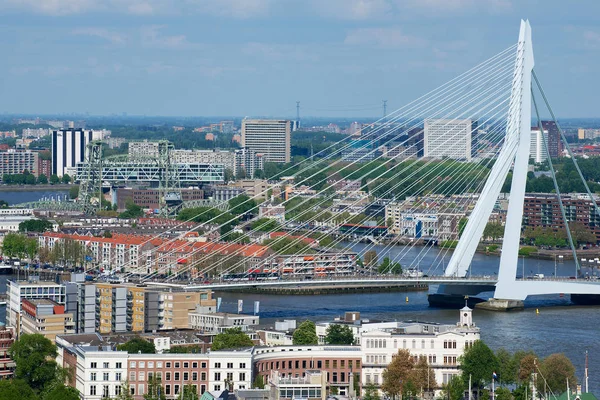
(257,57)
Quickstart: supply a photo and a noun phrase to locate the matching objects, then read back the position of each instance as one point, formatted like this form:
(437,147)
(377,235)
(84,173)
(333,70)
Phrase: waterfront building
(268,137)
(45,317)
(450,138)
(18,161)
(212,323)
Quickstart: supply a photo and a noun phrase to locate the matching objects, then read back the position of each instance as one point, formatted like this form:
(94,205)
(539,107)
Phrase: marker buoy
(407,299)
(537,311)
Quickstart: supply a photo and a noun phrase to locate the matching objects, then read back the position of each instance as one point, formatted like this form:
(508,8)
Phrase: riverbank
(336,289)
(35,188)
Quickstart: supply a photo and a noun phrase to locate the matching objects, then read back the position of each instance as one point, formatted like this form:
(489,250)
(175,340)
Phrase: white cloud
(111,36)
(383,37)
(151,37)
(52,7)
(353,9)
(232,8)
(443,6)
(279,52)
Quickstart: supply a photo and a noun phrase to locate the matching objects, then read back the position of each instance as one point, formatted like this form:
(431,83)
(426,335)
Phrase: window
(176,389)
(186,376)
(168,365)
(242,376)
(119,365)
(334,363)
(93,376)
(414,344)
(342,363)
(167,389)
(326,364)
(176,376)
(176,364)
(319,364)
(229,365)
(93,390)
(422,344)
(142,364)
(242,365)
(217,387)
(140,389)
(217,365)
(105,391)
(132,390)
(167,376)
(194,365)
(132,376)
(118,390)
(132,364)
(105,365)
(303,363)
(217,377)
(194,376)
(141,376)
(159,364)
(203,365)
(202,389)
(105,376)
(186,365)
(230,376)
(297,364)
(95,365)
(150,364)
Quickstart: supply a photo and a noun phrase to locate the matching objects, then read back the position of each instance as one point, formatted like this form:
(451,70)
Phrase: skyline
(258,57)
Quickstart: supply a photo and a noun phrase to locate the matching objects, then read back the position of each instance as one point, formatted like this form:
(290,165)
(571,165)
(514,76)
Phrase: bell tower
(466,316)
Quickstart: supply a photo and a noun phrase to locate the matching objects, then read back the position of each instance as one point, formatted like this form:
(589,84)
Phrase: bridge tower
(515,152)
(90,183)
(169,188)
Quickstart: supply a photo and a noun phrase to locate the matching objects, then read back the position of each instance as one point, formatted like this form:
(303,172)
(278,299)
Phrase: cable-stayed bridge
(452,149)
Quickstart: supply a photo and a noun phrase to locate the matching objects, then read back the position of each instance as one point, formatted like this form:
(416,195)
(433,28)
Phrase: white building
(100,371)
(441,345)
(69,147)
(142,150)
(233,367)
(449,138)
(537,150)
(214,323)
(269,137)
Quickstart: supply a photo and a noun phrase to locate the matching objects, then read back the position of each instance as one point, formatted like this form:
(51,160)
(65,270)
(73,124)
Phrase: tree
(155,390)
(371,393)
(265,225)
(455,389)
(242,204)
(502,393)
(423,376)
(35,225)
(125,392)
(259,382)
(31,247)
(9,387)
(34,356)
(389,267)
(339,334)
(66,178)
(74,192)
(462,224)
(371,259)
(556,370)
(54,179)
(526,362)
(13,245)
(306,334)
(137,345)
(62,392)
(132,210)
(508,367)
(188,393)
(232,338)
(480,362)
(42,179)
(493,230)
(398,374)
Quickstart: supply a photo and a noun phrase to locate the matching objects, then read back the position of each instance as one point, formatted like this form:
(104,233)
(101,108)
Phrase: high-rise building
(269,137)
(537,150)
(555,145)
(450,138)
(248,162)
(18,161)
(69,147)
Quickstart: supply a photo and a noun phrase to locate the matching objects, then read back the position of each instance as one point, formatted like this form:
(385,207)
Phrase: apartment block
(18,161)
(268,137)
(46,317)
(450,138)
(111,308)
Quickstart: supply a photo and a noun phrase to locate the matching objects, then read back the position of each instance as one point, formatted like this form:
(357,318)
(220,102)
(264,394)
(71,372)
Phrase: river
(16,197)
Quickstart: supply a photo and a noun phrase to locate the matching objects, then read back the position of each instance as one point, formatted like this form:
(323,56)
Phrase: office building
(450,138)
(247,162)
(539,141)
(69,147)
(555,144)
(212,323)
(223,157)
(142,150)
(18,161)
(269,137)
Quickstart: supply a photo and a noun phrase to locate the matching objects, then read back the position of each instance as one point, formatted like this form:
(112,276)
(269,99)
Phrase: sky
(258,57)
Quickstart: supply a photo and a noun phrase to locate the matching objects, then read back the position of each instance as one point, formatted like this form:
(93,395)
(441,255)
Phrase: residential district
(93,309)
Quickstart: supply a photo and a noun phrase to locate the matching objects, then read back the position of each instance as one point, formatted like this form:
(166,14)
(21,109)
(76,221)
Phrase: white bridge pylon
(515,153)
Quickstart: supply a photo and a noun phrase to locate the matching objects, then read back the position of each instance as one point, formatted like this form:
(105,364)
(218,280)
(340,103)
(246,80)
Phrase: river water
(16,197)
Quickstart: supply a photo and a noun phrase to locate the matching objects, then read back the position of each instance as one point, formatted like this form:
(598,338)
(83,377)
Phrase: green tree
(62,392)
(34,356)
(259,382)
(265,225)
(502,393)
(288,245)
(423,376)
(462,224)
(125,392)
(188,392)
(305,334)
(66,178)
(242,204)
(132,210)
(507,372)
(371,393)
(31,247)
(13,245)
(42,179)
(35,225)
(232,338)
(155,390)
(54,179)
(480,362)
(397,374)
(493,230)
(339,334)
(455,389)
(137,345)
(74,192)
(389,267)
(556,370)
(10,387)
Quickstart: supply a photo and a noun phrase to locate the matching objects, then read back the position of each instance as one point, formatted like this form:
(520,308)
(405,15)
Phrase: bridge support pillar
(501,305)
